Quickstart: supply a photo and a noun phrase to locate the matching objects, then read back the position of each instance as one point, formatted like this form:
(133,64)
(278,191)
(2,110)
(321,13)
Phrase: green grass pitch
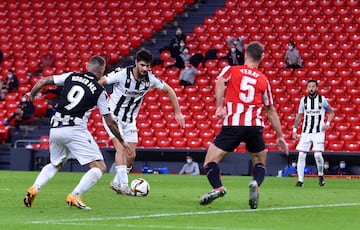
(173,203)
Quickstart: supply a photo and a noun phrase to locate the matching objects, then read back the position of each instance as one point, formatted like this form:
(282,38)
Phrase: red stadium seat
(352,146)
(348,136)
(194,143)
(336,146)
(163,142)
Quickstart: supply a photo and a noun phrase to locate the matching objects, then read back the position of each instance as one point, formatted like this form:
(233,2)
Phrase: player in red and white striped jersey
(241,94)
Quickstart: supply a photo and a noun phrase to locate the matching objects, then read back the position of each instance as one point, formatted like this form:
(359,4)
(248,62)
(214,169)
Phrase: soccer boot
(30,196)
(212,195)
(253,194)
(76,201)
(121,189)
(321,181)
(299,184)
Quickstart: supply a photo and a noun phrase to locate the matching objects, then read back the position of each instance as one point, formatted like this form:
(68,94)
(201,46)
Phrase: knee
(302,156)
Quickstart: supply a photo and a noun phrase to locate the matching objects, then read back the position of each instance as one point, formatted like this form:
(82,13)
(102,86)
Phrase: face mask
(293,164)
(291,47)
(326,166)
(23,99)
(342,165)
(188,161)
(182,44)
(10,75)
(233,49)
(185,51)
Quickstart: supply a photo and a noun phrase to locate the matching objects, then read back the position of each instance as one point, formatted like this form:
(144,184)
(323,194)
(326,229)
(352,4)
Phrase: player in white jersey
(313,107)
(129,88)
(69,134)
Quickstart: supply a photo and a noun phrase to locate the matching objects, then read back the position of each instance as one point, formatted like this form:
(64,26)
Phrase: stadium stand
(327,37)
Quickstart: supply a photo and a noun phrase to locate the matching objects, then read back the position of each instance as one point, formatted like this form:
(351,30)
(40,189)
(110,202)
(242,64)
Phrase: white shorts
(128,131)
(75,140)
(316,139)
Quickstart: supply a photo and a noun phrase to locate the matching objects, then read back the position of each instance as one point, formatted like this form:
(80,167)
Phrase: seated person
(235,56)
(292,57)
(238,41)
(187,75)
(191,167)
(23,113)
(9,84)
(343,170)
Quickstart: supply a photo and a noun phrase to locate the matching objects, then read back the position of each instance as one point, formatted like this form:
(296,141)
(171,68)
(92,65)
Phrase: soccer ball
(140,187)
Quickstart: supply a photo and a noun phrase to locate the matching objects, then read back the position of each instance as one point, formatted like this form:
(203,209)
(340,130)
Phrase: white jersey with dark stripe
(314,109)
(128,93)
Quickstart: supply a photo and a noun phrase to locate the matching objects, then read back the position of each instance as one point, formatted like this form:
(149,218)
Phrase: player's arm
(220,86)
(179,117)
(39,85)
(328,109)
(275,122)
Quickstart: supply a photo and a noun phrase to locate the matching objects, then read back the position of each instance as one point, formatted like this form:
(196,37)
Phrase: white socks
(319,163)
(121,176)
(301,166)
(46,174)
(89,179)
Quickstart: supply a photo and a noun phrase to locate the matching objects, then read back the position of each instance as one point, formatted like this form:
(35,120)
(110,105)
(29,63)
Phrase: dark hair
(144,55)
(255,50)
(291,43)
(312,80)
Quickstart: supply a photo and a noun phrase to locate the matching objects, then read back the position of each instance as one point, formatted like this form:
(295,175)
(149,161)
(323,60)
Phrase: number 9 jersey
(247,91)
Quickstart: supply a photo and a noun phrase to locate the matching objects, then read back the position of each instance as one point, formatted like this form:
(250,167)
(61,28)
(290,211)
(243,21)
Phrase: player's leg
(57,157)
(318,148)
(213,156)
(120,182)
(303,147)
(255,145)
(87,153)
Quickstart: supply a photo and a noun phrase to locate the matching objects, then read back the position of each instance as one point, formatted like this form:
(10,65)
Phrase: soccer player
(69,133)
(129,88)
(313,107)
(241,94)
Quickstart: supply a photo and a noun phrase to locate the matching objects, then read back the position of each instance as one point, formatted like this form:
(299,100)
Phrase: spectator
(23,113)
(191,167)
(235,56)
(292,57)
(238,41)
(187,75)
(342,170)
(1,56)
(9,84)
(180,59)
(175,43)
(327,168)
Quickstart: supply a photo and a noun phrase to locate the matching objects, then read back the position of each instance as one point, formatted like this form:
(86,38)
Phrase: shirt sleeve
(156,82)
(60,79)
(301,106)
(326,104)
(114,76)
(102,104)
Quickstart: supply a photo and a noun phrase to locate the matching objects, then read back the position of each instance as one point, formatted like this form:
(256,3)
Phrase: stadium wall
(173,159)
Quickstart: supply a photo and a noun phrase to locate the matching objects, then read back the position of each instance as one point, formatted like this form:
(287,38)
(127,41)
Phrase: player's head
(312,87)
(143,59)
(254,52)
(96,65)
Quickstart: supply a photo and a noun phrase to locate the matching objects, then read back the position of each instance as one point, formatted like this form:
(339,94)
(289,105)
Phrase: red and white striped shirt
(247,91)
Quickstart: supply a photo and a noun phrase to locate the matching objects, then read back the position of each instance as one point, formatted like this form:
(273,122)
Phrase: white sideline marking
(75,221)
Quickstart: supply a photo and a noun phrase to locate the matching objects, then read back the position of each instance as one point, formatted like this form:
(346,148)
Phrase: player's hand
(281,143)
(180,118)
(294,135)
(220,113)
(28,95)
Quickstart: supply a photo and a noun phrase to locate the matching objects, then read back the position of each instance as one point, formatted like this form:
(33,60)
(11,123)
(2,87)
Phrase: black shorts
(230,137)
